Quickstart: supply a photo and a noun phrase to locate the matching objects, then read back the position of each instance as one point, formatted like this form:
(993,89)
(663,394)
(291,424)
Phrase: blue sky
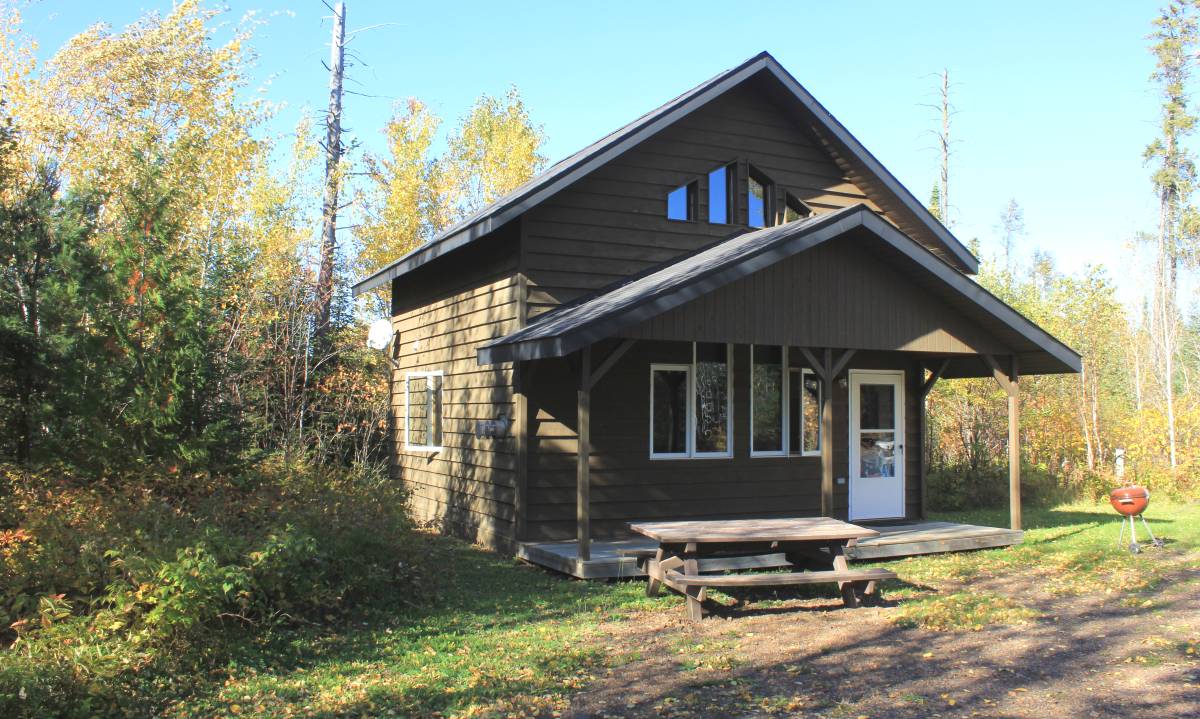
(1053,99)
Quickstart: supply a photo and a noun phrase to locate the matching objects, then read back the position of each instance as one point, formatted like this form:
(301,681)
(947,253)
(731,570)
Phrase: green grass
(500,639)
(497,639)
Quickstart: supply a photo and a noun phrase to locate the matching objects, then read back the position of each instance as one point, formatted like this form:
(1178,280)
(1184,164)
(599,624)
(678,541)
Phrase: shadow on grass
(491,628)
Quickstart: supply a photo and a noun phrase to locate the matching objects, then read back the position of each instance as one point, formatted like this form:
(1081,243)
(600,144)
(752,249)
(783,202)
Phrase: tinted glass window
(712,397)
(767,395)
(670,399)
(756,203)
(680,203)
(794,210)
(718,196)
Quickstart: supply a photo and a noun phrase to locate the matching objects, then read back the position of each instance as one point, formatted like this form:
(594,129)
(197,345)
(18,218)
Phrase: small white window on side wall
(423,411)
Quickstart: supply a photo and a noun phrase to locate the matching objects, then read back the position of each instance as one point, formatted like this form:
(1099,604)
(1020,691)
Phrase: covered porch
(845,308)
(617,558)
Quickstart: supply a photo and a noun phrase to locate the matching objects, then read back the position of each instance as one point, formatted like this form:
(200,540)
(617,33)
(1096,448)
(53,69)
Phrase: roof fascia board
(570,341)
(603,155)
(874,165)
(973,291)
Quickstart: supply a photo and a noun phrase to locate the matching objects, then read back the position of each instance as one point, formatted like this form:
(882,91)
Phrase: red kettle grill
(1130,502)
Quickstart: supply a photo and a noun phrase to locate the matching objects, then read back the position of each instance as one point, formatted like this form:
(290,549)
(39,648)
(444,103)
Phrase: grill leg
(1121,536)
(1153,540)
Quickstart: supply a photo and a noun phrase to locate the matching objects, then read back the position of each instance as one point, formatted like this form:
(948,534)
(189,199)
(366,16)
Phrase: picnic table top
(784,529)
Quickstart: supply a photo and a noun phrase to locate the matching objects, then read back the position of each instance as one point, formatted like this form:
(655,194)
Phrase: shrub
(103,578)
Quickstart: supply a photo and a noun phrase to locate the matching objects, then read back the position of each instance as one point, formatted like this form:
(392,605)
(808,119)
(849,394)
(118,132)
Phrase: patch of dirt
(1086,656)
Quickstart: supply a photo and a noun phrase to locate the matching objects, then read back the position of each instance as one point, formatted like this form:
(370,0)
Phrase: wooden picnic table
(692,554)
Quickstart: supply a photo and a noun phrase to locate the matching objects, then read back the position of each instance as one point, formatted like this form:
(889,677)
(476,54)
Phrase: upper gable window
(681,203)
(720,195)
(794,209)
(758,198)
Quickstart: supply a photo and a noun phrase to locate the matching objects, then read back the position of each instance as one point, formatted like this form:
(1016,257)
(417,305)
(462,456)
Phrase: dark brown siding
(837,294)
(612,224)
(443,312)
(627,485)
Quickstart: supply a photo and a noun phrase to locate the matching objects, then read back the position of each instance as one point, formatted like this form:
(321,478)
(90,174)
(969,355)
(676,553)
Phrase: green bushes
(106,584)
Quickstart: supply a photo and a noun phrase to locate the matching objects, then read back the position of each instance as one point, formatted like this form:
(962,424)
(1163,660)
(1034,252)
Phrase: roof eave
(559,345)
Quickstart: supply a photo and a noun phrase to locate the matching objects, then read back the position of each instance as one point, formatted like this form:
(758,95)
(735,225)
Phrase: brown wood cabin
(727,308)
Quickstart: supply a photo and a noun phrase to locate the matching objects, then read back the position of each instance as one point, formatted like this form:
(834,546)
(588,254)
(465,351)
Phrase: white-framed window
(785,406)
(423,411)
(768,416)
(691,405)
(804,412)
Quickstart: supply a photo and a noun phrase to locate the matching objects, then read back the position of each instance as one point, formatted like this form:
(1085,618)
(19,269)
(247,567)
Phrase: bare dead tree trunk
(333,156)
(944,144)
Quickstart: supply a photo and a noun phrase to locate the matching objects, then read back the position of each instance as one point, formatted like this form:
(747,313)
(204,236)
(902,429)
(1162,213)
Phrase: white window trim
(688,440)
(690,369)
(783,409)
(803,372)
(408,377)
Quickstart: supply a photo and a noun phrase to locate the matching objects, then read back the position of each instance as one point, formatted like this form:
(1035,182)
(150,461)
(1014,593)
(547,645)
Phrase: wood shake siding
(442,314)
(612,223)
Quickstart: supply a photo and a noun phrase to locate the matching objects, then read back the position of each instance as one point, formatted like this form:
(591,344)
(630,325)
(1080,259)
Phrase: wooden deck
(895,540)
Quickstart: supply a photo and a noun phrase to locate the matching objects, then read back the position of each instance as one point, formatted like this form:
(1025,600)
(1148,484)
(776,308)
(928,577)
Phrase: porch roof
(578,324)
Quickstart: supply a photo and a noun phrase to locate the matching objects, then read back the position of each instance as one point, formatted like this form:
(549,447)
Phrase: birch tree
(1176,36)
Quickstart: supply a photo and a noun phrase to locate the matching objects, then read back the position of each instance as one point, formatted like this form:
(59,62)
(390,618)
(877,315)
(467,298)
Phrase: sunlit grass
(500,639)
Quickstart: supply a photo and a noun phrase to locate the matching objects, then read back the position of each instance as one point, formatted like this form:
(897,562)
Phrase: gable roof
(634,301)
(567,171)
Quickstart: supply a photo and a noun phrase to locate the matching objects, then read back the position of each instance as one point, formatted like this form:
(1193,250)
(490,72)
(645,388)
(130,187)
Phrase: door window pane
(669,395)
(712,397)
(877,454)
(766,380)
(877,406)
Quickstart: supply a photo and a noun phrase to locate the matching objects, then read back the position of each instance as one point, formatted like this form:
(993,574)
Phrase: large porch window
(767,416)
(690,405)
(804,412)
(785,406)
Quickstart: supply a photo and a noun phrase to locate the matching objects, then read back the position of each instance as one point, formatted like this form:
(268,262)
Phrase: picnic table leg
(654,574)
(694,594)
(840,564)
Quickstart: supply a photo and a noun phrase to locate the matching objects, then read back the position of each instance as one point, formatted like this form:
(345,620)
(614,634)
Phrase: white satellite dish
(379,336)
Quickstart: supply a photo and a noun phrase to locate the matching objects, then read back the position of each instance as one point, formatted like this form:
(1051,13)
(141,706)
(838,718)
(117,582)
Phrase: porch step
(782,579)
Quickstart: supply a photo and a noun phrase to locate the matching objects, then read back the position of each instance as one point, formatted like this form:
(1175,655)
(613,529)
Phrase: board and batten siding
(837,294)
(626,485)
(441,314)
(612,224)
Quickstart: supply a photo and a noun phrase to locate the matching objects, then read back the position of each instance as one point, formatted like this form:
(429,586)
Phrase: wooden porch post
(827,370)
(1014,448)
(827,435)
(926,386)
(583,482)
(1009,381)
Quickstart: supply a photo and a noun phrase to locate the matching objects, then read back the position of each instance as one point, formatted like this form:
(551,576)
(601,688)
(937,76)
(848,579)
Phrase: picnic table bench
(690,552)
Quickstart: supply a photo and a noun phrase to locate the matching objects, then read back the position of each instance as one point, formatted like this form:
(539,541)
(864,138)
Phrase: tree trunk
(333,155)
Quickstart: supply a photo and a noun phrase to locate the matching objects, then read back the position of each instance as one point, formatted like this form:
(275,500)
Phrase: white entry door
(876,444)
